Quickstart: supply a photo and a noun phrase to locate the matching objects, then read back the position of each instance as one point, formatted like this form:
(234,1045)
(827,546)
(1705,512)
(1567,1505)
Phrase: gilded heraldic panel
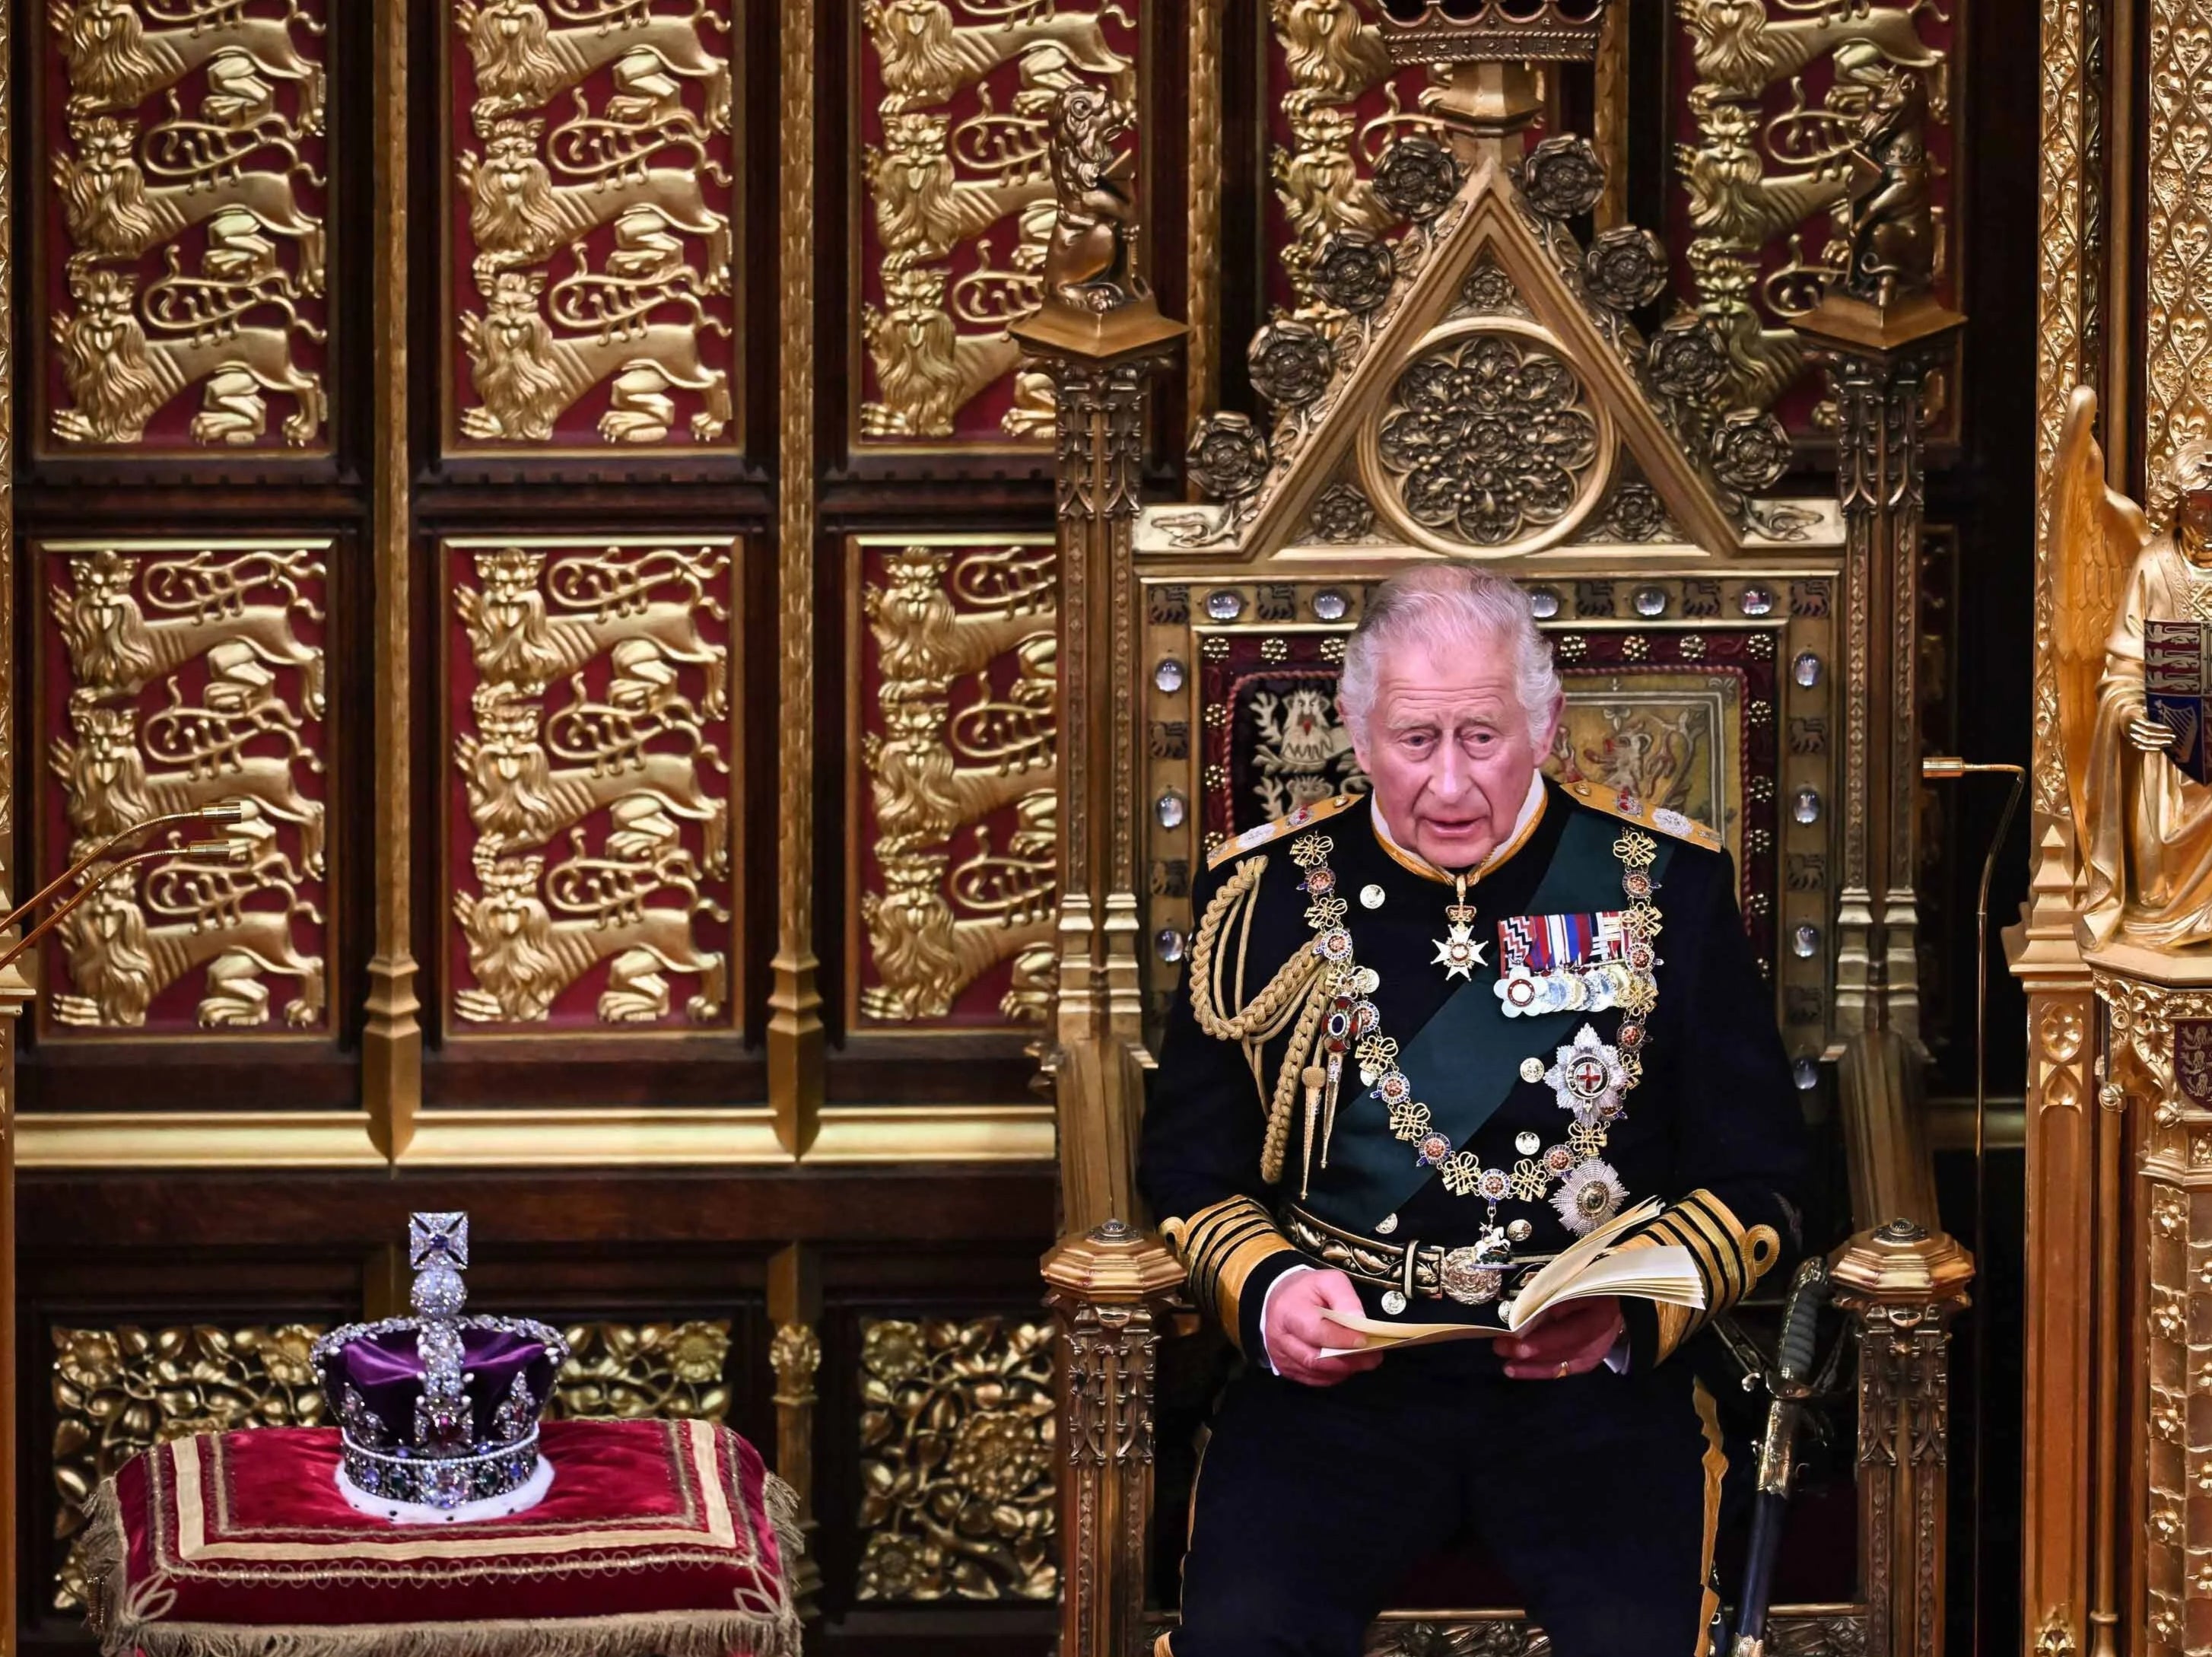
(592,179)
(184,249)
(590,828)
(955,876)
(955,202)
(1823,143)
(174,675)
(957,1495)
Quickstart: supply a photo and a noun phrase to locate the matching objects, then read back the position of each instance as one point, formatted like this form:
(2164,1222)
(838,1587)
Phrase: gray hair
(1440,607)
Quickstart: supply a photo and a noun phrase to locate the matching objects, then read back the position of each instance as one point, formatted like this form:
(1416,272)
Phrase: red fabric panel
(249,1529)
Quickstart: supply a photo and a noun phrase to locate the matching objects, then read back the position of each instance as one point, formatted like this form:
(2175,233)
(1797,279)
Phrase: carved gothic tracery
(590,763)
(960,761)
(595,155)
(187,183)
(957,167)
(194,675)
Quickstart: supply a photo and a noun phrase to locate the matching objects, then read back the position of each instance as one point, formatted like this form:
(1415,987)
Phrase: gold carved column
(2068,1600)
(796,1042)
(1103,337)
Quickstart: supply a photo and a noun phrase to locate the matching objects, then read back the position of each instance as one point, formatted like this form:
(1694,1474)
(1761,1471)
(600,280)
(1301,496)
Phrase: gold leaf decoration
(631,1372)
(120,1390)
(956,1460)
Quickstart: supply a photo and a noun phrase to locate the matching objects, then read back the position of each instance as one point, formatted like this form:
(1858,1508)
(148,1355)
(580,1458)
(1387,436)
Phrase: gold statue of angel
(2143,825)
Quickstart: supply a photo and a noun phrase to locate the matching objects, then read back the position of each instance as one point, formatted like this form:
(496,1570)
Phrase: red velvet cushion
(657,1538)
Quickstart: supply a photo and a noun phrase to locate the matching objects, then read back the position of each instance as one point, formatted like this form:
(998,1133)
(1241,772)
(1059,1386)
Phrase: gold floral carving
(1760,174)
(956,1426)
(1838,1635)
(965,659)
(119,1391)
(595,770)
(2069,197)
(191,682)
(597,165)
(196,256)
(633,1371)
(960,197)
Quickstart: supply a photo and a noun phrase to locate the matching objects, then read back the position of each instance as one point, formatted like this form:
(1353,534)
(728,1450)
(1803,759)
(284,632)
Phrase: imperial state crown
(438,1413)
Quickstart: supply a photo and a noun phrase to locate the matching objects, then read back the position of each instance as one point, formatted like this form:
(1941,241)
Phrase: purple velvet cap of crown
(386,1371)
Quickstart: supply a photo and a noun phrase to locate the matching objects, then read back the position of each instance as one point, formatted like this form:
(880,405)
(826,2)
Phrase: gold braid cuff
(1730,1259)
(1295,997)
(1218,1247)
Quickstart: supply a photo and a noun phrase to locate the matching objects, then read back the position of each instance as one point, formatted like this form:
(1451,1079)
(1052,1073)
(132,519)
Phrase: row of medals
(1474,1275)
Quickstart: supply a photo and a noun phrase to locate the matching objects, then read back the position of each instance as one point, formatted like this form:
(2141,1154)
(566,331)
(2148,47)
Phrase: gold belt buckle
(1467,1279)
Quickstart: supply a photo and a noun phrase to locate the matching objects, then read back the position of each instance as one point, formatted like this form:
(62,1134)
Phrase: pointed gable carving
(1485,408)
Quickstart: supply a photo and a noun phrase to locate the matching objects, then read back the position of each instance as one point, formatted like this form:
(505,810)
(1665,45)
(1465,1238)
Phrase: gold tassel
(1315,1079)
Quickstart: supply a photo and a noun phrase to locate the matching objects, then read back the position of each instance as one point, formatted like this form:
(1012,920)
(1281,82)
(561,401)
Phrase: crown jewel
(438,1411)
(1491,31)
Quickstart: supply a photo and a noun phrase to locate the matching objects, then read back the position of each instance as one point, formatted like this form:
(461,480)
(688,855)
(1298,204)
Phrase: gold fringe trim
(105,1550)
(651,1633)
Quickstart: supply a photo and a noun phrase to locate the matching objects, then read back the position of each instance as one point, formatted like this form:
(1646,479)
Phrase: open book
(1591,1267)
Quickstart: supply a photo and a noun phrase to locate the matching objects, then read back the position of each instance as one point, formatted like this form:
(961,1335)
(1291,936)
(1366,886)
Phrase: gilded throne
(1473,383)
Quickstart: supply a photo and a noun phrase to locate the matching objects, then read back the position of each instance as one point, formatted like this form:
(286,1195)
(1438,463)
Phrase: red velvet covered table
(658,1539)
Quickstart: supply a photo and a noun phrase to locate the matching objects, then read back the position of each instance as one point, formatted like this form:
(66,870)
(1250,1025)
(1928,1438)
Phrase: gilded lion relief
(1823,143)
(174,675)
(955,865)
(955,202)
(184,253)
(592,209)
(591,842)
(1334,100)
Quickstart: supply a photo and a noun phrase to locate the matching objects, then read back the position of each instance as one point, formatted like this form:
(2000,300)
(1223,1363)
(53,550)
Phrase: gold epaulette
(1630,809)
(1304,817)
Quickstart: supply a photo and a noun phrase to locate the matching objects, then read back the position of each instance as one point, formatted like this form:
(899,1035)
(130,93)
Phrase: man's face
(1448,747)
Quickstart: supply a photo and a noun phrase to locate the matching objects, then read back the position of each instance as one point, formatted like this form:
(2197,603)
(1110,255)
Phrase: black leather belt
(1415,1269)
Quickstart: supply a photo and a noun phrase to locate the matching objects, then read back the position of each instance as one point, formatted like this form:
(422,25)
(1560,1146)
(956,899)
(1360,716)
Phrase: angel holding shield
(2143,824)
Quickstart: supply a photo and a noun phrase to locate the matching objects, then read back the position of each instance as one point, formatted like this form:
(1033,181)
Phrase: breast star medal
(1457,952)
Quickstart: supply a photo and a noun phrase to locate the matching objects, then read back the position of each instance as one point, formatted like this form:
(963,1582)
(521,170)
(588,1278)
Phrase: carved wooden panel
(631,1371)
(173,674)
(183,248)
(952,765)
(1708,695)
(591,823)
(593,176)
(952,203)
(957,1424)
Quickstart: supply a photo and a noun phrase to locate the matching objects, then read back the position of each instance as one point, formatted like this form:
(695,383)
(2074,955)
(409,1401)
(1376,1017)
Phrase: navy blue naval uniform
(1598,1494)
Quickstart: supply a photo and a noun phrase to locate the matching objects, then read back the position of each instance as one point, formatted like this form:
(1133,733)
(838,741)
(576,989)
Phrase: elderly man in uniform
(1427,1036)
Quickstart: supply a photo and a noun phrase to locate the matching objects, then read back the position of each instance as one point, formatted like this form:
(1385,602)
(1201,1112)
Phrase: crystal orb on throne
(438,1412)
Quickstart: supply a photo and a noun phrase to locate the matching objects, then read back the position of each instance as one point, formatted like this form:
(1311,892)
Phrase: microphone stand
(228,849)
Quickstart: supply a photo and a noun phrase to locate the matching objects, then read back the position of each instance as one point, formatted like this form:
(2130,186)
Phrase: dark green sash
(1466,1058)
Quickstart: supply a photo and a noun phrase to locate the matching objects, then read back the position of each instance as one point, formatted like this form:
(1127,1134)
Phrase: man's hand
(1568,1340)
(2150,735)
(1296,1331)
